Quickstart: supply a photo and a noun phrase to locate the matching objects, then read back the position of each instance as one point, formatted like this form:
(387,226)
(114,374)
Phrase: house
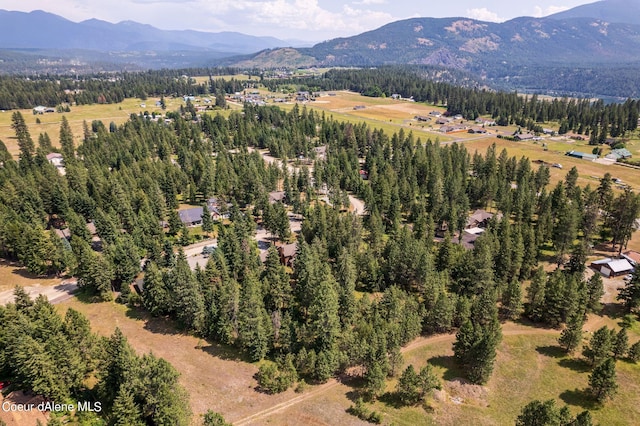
(524,137)
(442,120)
(56,159)
(277,197)
(359,107)
(468,239)
(480,219)
(454,128)
(477,130)
(435,113)
(191,216)
(548,131)
(396,96)
(632,256)
(364,174)
(576,136)
(39,109)
(321,152)
(457,117)
(618,154)
(442,229)
(582,155)
(215,209)
(612,267)
(485,122)
(422,118)
(287,253)
(189,98)
(63,233)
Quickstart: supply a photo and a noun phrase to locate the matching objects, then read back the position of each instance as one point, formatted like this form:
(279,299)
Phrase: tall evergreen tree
(602,382)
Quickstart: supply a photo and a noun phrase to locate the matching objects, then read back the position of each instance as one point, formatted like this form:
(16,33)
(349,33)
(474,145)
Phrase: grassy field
(12,274)
(216,377)
(529,366)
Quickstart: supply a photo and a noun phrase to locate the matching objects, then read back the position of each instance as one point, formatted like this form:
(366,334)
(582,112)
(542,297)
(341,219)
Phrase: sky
(311,20)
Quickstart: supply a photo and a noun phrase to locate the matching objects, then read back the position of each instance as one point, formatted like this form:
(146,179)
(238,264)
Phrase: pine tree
(634,352)
(211,418)
(620,344)
(188,301)
(538,413)
(156,297)
(254,325)
(600,346)
(374,380)
(408,388)
(602,382)
(512,300)
(571,336)
(630,293)
(66,142)
(25,143)
(595,291)
(125,411)
(534,309)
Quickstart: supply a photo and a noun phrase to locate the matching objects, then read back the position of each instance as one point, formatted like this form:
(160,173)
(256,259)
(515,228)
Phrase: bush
(362,412)
(277,378)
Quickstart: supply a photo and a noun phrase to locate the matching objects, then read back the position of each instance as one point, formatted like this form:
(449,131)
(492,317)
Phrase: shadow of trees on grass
(579,398)
(551,351)
(452,370)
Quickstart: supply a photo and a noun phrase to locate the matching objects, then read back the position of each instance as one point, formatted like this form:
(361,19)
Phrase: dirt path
(286,404)
(508,329)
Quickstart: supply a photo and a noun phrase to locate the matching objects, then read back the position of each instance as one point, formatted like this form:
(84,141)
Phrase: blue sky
(313,20)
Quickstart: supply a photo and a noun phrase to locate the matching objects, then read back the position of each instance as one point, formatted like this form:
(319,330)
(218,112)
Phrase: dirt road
(508,329)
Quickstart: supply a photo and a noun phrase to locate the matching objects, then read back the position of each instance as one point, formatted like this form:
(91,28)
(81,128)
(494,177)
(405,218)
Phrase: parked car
(628,277)
(207,250)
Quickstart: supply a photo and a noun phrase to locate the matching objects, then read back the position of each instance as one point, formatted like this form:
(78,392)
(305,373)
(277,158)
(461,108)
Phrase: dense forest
(55,357)
(403,257)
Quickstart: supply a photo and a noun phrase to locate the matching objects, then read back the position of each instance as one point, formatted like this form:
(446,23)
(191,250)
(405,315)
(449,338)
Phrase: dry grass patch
(12,274)
(215,376)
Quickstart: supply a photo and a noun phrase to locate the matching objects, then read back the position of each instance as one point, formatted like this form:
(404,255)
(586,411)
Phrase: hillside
(615,11)
(470,44)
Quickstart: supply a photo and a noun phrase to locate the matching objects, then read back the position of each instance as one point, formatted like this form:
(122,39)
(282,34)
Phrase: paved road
(56,294)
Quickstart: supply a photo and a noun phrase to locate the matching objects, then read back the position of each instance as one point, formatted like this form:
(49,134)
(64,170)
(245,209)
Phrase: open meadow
(530,365)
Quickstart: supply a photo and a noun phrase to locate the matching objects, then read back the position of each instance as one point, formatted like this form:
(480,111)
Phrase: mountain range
(42,30)
(602,34)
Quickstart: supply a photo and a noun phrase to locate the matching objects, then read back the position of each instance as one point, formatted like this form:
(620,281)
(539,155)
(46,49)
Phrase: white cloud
(484,14)
(293,16)
(539,12)
(369,2)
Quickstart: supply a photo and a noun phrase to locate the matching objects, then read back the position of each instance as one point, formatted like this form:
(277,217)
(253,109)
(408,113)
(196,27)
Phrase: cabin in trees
(277,197)
(191,216)
(287,253)
(479,219)
(57,161)
(612,267)
(215,209)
